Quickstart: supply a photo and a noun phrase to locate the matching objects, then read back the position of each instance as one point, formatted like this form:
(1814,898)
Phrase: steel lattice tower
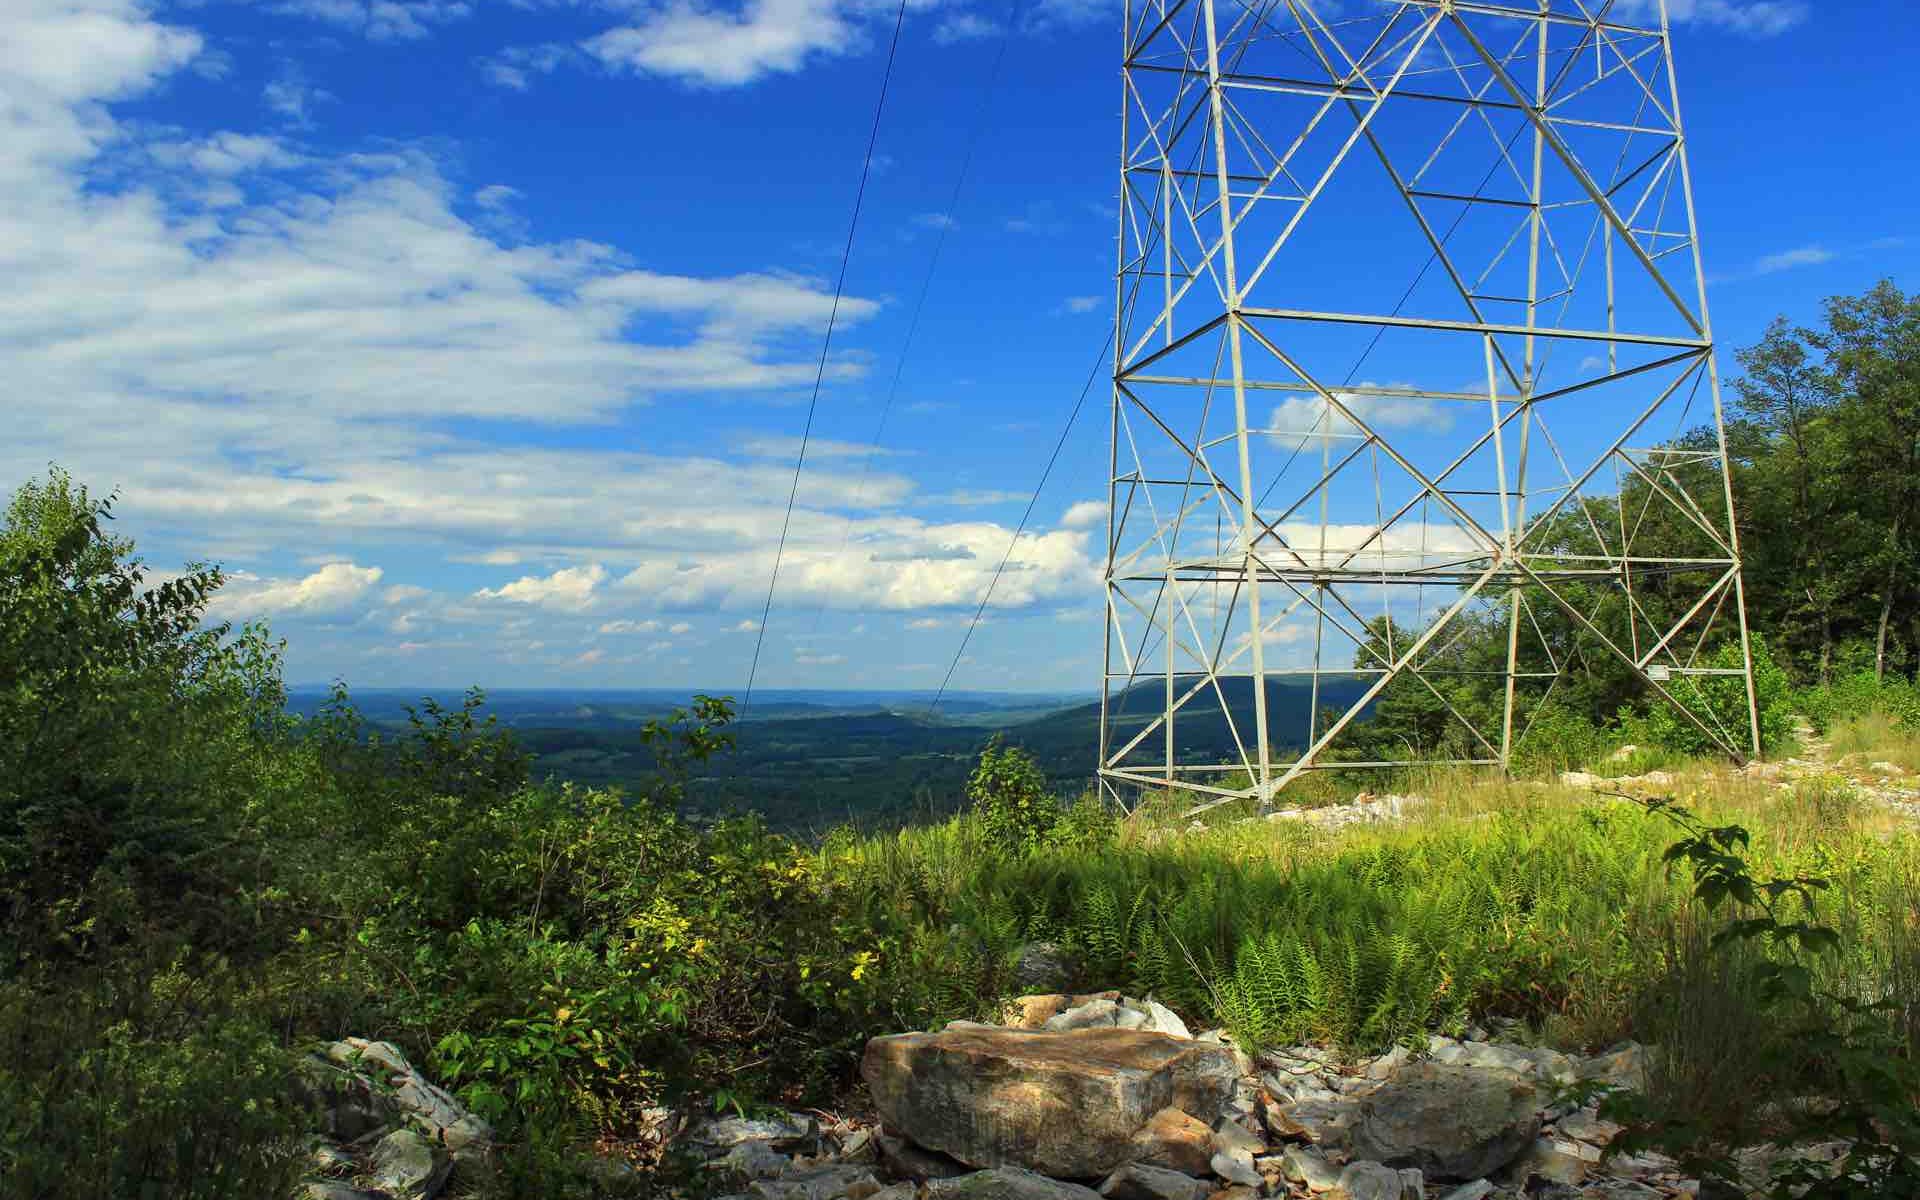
(1411,341)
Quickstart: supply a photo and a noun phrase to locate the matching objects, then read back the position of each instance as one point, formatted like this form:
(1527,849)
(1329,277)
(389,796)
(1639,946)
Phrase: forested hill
(810,761)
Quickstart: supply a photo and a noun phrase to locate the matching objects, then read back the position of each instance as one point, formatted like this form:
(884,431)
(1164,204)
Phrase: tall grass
(1878,736)
(1498,898)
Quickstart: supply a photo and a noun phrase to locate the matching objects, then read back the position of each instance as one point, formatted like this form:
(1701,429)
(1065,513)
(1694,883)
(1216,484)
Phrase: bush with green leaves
(1011,799)
(1720,703)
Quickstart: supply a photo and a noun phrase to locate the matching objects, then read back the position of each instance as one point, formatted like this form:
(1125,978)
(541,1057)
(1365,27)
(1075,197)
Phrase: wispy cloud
(1787,260)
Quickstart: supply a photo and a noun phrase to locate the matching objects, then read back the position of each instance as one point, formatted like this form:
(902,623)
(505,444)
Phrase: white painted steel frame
(1184,245)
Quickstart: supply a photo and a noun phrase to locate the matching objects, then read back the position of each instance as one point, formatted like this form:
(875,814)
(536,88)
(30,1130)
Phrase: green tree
(1873,345)
(131,772)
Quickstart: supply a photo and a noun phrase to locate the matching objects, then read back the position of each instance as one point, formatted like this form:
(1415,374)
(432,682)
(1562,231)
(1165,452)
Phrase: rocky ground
(1075,1098)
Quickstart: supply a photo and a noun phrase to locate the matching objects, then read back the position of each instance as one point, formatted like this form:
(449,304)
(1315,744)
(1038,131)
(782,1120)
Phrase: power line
(926,285)
(1026,516)
(826,343)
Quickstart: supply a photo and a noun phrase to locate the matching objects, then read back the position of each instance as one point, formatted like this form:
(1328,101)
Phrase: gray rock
(837,1181)
(1325,1120)
(1136,1181)
(1624,1066)
(346,1105)
(1132,1018)
(1451,1122)
(1552,1160)
(1374,1181)
(1535,1061)
(1236,1166)
(859,1147)
(1230,1135)
(1384,1066)
(1007,1183)
(1044,967)
(752,1160)
(1479,1189)
(1092,1014)
(783,1132)
(443,1119)
(1064,1104)
(406,1166)
(1166,1021)
(1586,1125)
(897,1191)
(1310,1168)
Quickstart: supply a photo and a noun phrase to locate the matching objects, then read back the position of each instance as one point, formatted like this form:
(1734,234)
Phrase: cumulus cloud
(922,565)
(1085,514)
(333,588)
(570,589)
(300,367)
(721,47)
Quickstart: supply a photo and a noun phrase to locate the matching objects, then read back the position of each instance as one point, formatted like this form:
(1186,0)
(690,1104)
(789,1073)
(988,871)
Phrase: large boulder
(1065,1104)
(1452,1122)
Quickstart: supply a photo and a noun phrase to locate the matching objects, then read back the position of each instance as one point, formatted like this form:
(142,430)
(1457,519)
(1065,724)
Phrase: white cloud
(807,659)
(380,20)
(1312,417)
(745,626)
(1756,18)
(570,589)
(294,371)
(626,626)
(495,196)
(334,587)
(226,154)
(1085,514)
(715,47)
(292,97)
(1787,260)
(895,564)
(787,448)
(515,66)
(963,27)
(1082,304)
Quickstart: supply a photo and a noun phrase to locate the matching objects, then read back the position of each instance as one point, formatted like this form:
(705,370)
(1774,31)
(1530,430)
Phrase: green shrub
(146,1081)
(1011,799)
(1720,701)
(1862,694)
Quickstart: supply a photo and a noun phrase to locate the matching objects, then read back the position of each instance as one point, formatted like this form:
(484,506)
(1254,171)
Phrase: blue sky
(473,339)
